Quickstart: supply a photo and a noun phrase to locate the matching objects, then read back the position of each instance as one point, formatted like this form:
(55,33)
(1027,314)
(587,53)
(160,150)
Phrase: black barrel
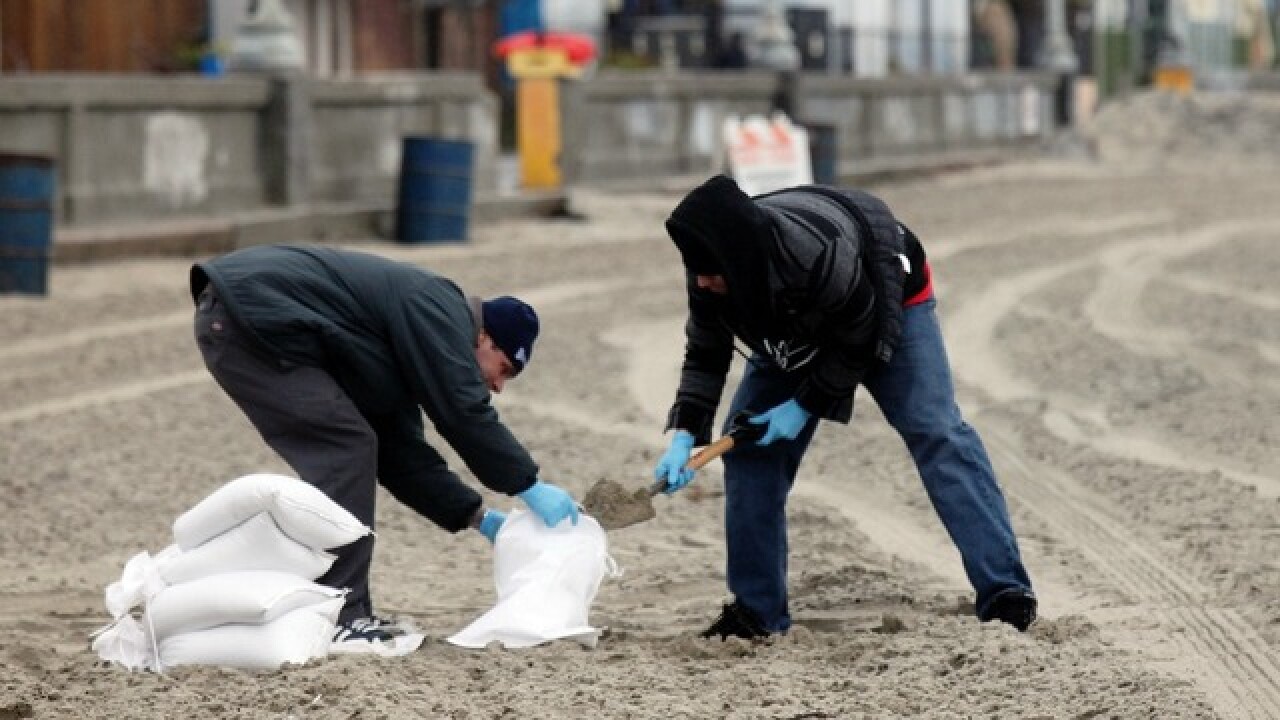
(26,223)
(824,155)
(435,190)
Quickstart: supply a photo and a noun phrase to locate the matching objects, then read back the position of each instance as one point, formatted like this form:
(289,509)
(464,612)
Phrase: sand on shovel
(616,507)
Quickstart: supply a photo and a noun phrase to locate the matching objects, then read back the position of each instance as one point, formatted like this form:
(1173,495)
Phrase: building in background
(339,37)
(863,38)
(354,37)
(1217,41)
(867,38)
(101,36)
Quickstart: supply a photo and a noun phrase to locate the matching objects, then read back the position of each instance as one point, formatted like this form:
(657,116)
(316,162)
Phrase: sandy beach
(1112,319)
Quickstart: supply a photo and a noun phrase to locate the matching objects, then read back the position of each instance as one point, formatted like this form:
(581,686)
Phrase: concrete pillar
(287,140)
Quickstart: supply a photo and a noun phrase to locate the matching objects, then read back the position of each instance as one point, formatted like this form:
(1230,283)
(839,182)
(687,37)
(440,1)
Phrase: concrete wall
(632,126)
(130,149)
(360,124)
(640,125)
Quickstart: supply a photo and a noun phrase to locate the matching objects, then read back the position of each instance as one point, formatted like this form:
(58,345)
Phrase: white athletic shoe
(376,636)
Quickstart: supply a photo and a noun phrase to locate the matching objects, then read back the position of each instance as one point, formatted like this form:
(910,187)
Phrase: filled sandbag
(237,587)
(253,597)
(302,511)
(256,544)
(295,637)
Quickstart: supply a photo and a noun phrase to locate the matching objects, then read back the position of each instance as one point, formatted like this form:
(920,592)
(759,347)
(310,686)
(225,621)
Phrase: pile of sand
(1205,133)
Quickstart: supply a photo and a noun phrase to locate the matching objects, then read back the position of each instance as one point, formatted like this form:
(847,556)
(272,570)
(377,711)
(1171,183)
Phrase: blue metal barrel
(434,204)
(26,223)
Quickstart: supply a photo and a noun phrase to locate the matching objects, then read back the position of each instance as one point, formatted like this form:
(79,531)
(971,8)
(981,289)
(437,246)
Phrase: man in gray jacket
(828,291)
(333,355)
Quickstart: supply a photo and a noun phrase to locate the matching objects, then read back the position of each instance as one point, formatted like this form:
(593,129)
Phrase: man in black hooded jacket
(334,355)
(828,291)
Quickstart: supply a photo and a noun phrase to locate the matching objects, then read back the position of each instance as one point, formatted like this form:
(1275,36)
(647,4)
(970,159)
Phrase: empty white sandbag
(235,597)
(295,637)
(303,512)
(546,579)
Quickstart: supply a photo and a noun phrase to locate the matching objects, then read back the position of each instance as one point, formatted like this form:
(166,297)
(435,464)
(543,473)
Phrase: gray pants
(303,414)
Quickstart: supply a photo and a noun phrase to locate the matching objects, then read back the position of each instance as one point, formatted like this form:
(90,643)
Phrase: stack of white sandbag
(237,587)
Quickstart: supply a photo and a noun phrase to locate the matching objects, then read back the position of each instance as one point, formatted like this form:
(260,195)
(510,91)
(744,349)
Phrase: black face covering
(719,230)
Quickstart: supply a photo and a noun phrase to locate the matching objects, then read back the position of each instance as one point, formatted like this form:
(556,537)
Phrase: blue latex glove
(491,523)
(671,467)
(550,503)
(785,422)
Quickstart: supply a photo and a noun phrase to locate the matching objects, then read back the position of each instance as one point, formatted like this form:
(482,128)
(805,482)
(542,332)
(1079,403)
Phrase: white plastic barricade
(767,154)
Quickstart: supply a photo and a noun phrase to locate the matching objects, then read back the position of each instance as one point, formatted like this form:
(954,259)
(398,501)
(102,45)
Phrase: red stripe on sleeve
(926,292)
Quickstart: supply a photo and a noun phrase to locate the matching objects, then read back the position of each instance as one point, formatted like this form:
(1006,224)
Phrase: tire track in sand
(1231,662)
(970,330)
(1239,671)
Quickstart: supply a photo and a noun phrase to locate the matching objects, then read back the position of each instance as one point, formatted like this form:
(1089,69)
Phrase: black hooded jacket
(816,281)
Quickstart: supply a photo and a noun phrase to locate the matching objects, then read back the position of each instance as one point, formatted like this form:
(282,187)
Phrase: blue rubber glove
(671,467)
(550,503)
(785,422)
(491,523)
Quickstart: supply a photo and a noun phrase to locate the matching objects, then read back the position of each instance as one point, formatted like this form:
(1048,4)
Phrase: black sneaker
(1015,607)
(737,621)
(374,635)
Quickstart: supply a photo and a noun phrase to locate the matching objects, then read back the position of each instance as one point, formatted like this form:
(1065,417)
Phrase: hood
(719,230)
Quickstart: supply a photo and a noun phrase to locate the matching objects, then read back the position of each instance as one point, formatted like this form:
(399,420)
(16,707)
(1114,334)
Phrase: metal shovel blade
(616,507)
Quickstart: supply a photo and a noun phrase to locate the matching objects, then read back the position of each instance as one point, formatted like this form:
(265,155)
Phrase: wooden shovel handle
(699,460)
(710,452)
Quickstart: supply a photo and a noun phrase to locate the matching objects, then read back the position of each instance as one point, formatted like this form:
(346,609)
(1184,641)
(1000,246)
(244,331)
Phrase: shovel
(615,507)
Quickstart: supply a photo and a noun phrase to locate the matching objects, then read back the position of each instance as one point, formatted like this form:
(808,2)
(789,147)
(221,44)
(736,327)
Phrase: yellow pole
(537,72)
(538,132)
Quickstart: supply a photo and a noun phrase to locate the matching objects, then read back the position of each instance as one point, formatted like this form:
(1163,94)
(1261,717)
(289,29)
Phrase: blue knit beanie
(513,325)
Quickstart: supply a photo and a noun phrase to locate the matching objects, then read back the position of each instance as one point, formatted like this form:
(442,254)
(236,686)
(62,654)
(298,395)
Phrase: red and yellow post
(537,71)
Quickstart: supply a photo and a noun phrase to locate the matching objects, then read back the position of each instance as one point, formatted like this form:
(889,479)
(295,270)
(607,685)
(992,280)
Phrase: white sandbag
(236,597)
(139,581)
(258,543)
(124,641)
(304,513)
(295,637)
(546,579)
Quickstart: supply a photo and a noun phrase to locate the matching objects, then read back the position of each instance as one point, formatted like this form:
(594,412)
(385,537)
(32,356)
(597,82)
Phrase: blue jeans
(916,395)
